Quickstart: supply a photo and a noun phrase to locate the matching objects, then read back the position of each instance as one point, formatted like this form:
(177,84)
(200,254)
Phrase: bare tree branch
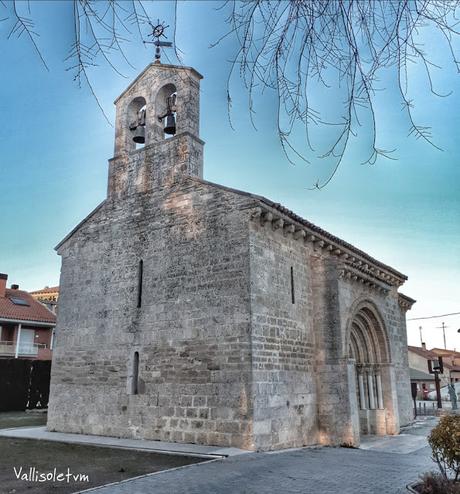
(286,45)
(23,26)
(290,47)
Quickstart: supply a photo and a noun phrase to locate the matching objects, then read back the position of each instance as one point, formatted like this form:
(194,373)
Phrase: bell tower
(156,131)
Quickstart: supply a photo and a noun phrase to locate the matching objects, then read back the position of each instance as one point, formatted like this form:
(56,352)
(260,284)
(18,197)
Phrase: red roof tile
(428,354)
(35,311)
(442,351)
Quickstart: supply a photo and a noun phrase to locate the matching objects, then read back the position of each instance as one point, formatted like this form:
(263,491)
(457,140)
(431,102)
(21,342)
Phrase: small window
(140,274)
(135,375)
(292,286)
(19,301)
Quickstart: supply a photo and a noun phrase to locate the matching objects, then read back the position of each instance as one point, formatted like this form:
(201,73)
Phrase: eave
(31,322)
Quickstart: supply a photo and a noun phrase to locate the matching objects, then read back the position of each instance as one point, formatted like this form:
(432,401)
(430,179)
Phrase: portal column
(362,397)
(370,386)
(379,390)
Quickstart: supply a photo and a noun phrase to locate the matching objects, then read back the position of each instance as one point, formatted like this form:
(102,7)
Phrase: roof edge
(79,225)
(45,290)
(314,228)
(37,322)
(159,66)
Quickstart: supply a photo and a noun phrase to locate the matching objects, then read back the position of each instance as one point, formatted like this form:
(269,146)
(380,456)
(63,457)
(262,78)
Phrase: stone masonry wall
(283,353)
(191,332)
(337,407)
(174,158)
(401,360)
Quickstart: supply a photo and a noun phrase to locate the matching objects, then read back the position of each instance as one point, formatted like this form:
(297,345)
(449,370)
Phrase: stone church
(192,312)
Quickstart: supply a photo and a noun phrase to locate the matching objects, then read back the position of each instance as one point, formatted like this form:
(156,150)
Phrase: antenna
(443,327)
(156,34)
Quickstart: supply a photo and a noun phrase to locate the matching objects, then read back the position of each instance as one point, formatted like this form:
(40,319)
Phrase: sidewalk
(40,433)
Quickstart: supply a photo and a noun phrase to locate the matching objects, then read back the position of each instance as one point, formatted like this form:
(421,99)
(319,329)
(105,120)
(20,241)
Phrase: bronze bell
(170,124)
(139,134)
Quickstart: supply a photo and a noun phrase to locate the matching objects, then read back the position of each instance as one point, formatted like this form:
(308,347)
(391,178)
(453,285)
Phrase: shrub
(434,483)
(445,446)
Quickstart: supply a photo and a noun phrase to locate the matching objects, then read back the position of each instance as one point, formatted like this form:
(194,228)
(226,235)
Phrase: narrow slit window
(139,283)
(292,286)
(135,375)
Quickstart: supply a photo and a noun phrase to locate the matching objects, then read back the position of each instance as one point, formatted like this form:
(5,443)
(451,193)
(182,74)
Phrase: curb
(411,487)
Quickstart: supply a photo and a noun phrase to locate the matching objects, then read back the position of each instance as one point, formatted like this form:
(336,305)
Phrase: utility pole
(443,327)
(421,338)
(438,388)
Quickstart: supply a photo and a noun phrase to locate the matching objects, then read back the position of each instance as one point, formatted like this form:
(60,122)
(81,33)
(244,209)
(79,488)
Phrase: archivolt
(368,343)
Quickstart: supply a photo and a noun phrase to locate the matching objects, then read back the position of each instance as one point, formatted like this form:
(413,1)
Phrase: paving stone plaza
(386,467)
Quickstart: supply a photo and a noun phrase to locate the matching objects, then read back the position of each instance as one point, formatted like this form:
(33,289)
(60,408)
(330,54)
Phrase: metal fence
(426,408)
(24,384)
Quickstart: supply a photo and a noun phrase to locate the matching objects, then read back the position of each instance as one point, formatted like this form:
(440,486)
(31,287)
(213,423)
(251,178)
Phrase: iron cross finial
(156,34)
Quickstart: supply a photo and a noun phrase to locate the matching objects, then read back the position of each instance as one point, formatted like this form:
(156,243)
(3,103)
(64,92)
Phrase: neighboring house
(26,326)
(48,296)
(451,360)
(418,361)
(193,312)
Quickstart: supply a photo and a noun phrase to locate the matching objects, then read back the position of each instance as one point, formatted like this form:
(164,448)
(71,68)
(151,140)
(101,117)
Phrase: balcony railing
(7,348)
(28,348)
(25,349)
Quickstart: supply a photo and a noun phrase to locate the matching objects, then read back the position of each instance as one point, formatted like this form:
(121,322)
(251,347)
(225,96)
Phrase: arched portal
(368,350)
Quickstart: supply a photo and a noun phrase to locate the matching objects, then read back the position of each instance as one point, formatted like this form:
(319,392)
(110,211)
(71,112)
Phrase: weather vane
(156,34)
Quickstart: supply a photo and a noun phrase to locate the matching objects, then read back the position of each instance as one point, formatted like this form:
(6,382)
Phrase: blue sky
(55,145)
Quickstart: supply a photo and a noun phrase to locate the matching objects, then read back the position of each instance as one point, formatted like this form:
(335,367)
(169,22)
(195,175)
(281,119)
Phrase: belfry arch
(368,350)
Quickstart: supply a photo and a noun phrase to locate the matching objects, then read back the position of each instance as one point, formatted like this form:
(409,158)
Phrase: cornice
(405,302)
(356,266)
(350,273)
